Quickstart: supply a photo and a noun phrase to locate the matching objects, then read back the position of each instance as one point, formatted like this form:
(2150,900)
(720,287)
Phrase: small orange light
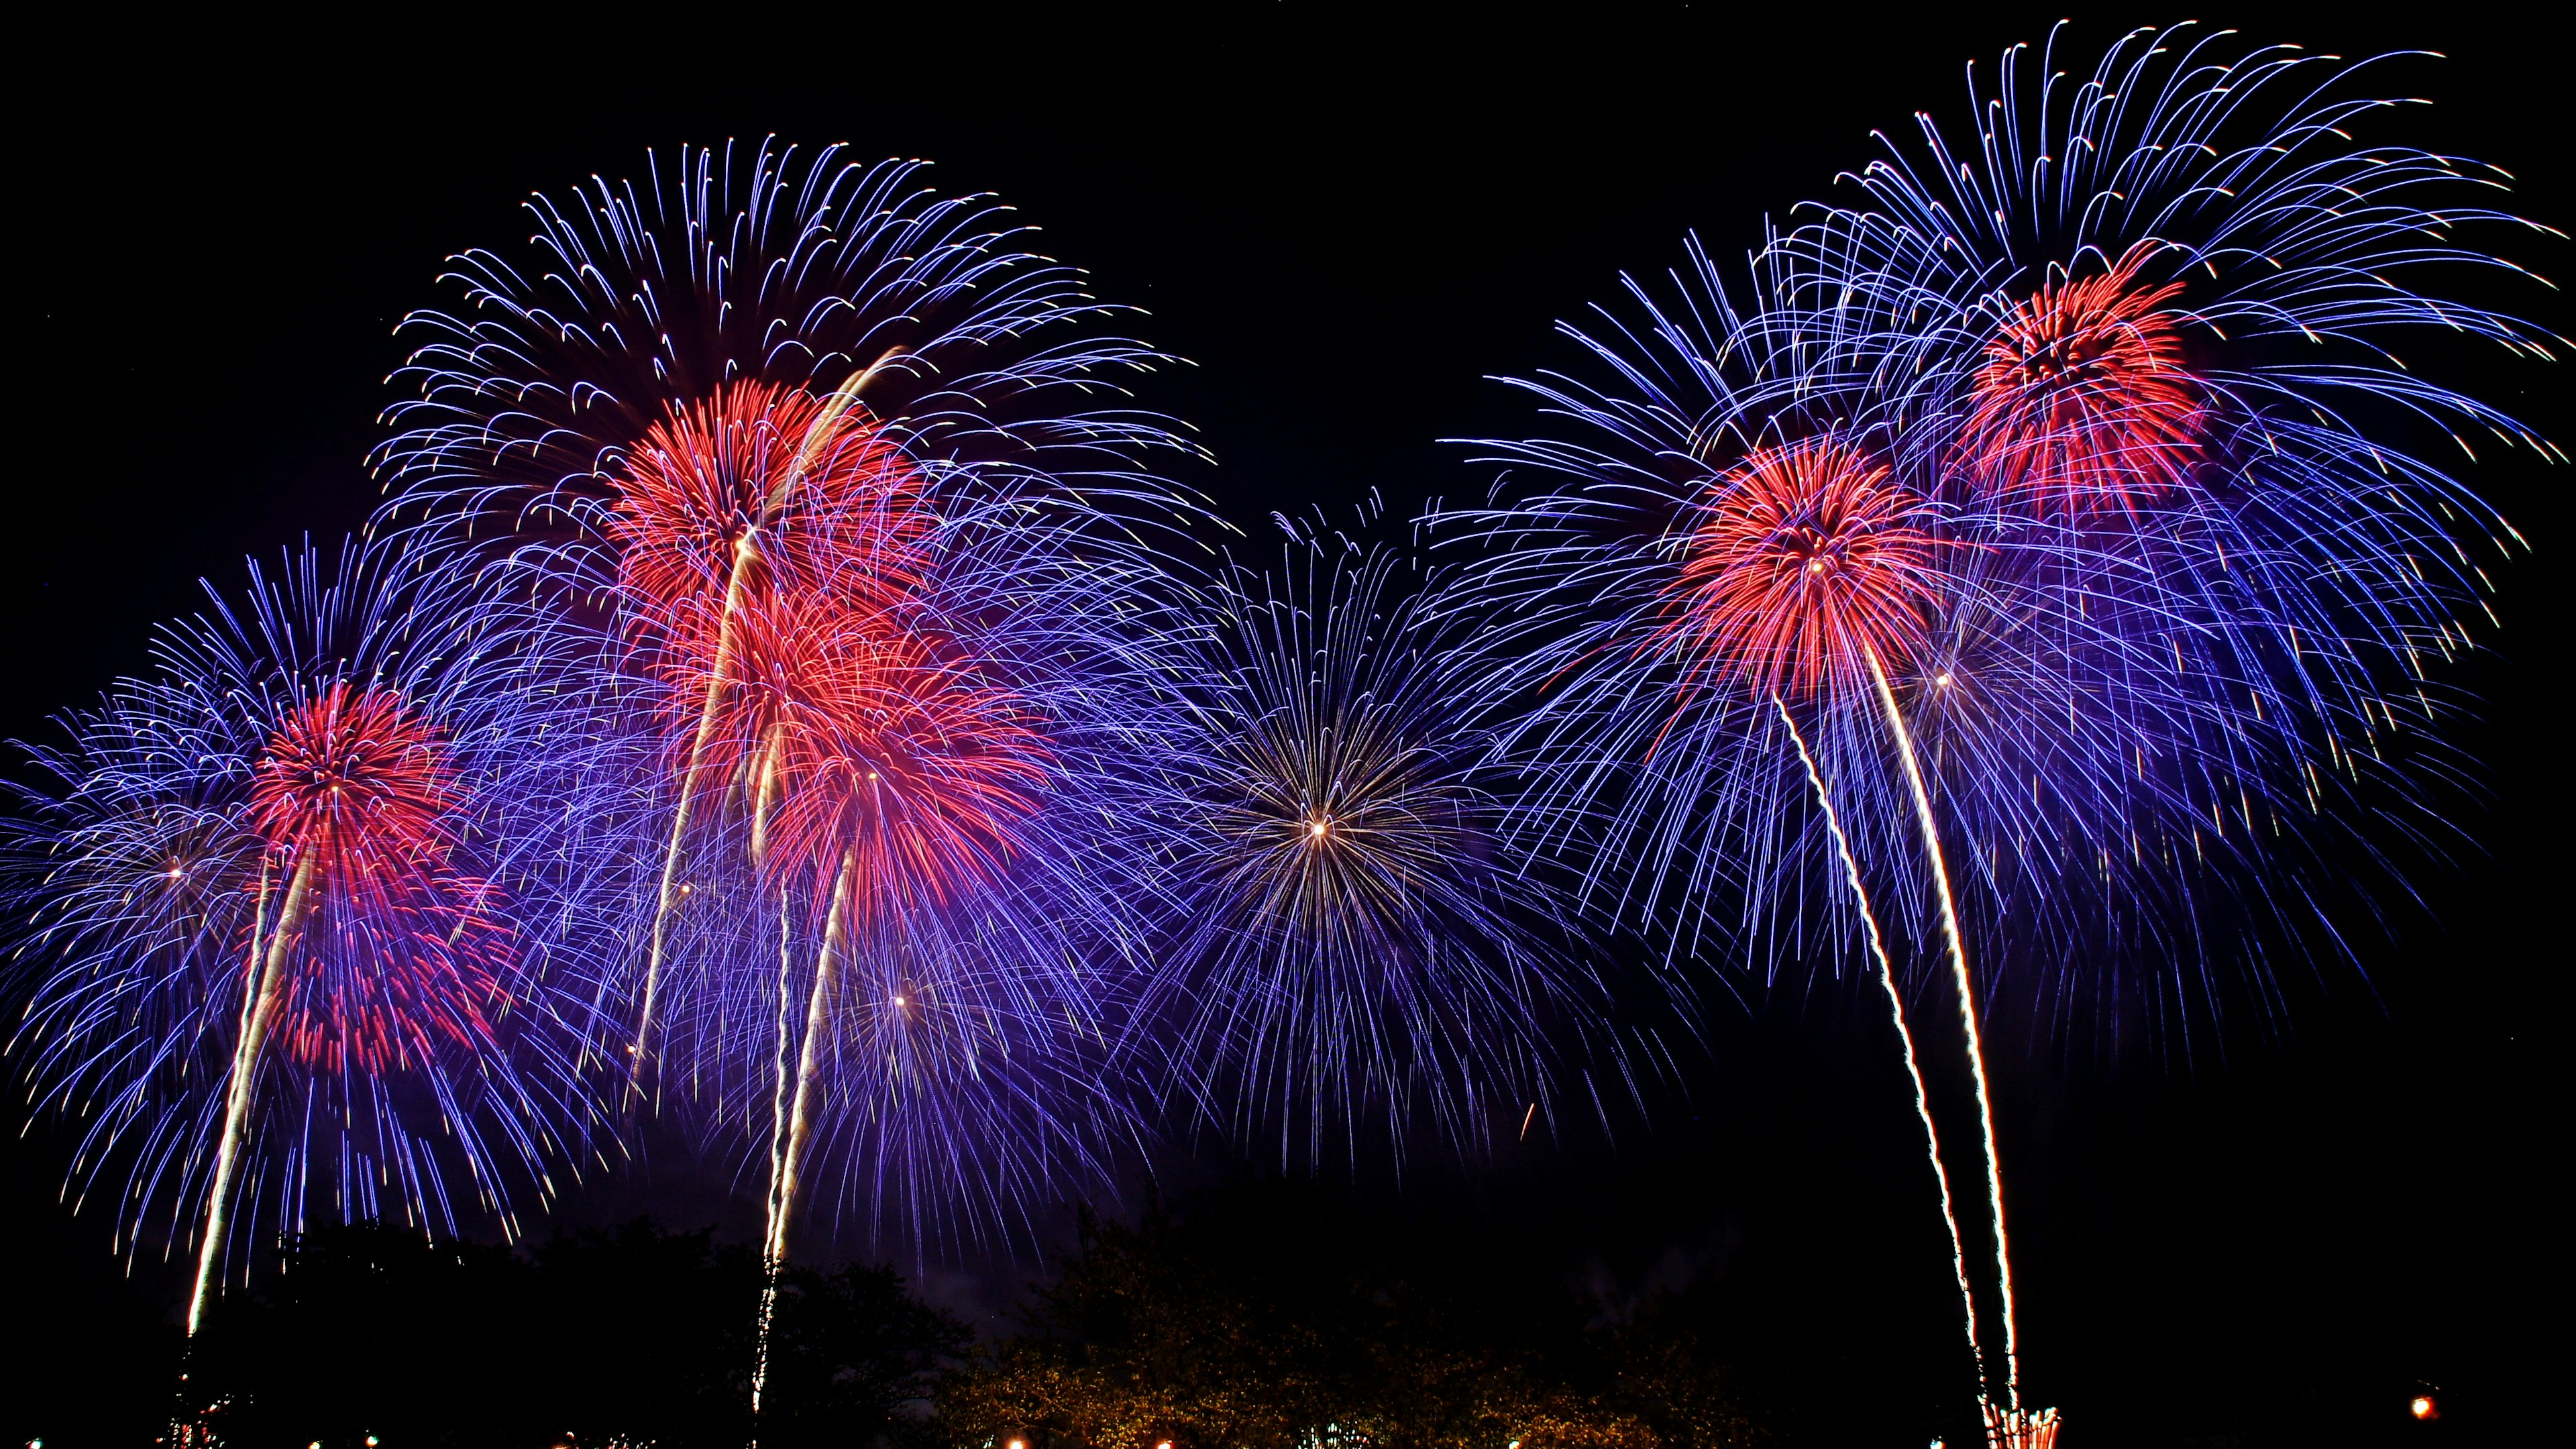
(2423,1407)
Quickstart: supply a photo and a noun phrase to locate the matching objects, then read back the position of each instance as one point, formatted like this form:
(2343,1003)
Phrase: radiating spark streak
(1967,1014)
(1904,1034)
(258,1013)
(777,1149)
(789,1158)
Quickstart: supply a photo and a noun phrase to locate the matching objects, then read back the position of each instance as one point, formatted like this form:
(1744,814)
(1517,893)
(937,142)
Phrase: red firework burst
(865,742)
(795,486)
(1806,561)
(2083,402)
(355,798)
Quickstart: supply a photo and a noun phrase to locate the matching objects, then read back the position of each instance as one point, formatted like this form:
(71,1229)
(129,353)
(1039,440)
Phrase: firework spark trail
(1896,1013)
(259,1010)
(1967,1015)
(777,1148)
(797,1128)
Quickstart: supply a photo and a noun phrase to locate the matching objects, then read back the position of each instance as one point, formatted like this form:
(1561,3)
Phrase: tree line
(1258,1315)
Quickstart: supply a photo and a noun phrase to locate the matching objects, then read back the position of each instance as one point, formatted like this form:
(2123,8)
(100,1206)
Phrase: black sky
(1347,224)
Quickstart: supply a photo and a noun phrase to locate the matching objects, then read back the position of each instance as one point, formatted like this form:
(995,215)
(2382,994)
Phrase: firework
(273,957)
(2147,574)
(756,369)
(724,507)
(1700,639)
(1357,951)
(925,890)
(1804,566)
(2145,318)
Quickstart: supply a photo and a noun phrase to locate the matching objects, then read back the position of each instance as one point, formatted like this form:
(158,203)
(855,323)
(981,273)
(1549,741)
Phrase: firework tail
(257,1013)
(746,552)
(1904,1034)
(777,1149)
(786,1159)
(1967,1015)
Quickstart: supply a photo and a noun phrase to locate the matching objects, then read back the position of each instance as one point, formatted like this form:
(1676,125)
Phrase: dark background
(1347,224)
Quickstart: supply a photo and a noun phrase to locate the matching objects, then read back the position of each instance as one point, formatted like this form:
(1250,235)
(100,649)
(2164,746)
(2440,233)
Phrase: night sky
(1347,229)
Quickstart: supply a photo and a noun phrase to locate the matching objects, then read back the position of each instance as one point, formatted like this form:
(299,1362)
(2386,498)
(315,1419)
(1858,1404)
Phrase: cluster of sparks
(779,693)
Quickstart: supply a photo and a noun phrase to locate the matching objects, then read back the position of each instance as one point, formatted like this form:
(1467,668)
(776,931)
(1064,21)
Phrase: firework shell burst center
(1801,562)
(395,948)
(2083,401)
(808,488)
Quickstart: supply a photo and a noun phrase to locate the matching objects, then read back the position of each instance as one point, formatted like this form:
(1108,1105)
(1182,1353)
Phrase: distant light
(899,1001)
(2423,1407)
(175,873)
(1942,679)
(1163,1444)
(371,1441)
(1019,1444)
(1318,828)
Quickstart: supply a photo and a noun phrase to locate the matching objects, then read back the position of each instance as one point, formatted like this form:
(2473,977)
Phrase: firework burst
(268,965)
(1358,953)
(2144,318)
(755,375)
(1803,565)
(2126,351)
